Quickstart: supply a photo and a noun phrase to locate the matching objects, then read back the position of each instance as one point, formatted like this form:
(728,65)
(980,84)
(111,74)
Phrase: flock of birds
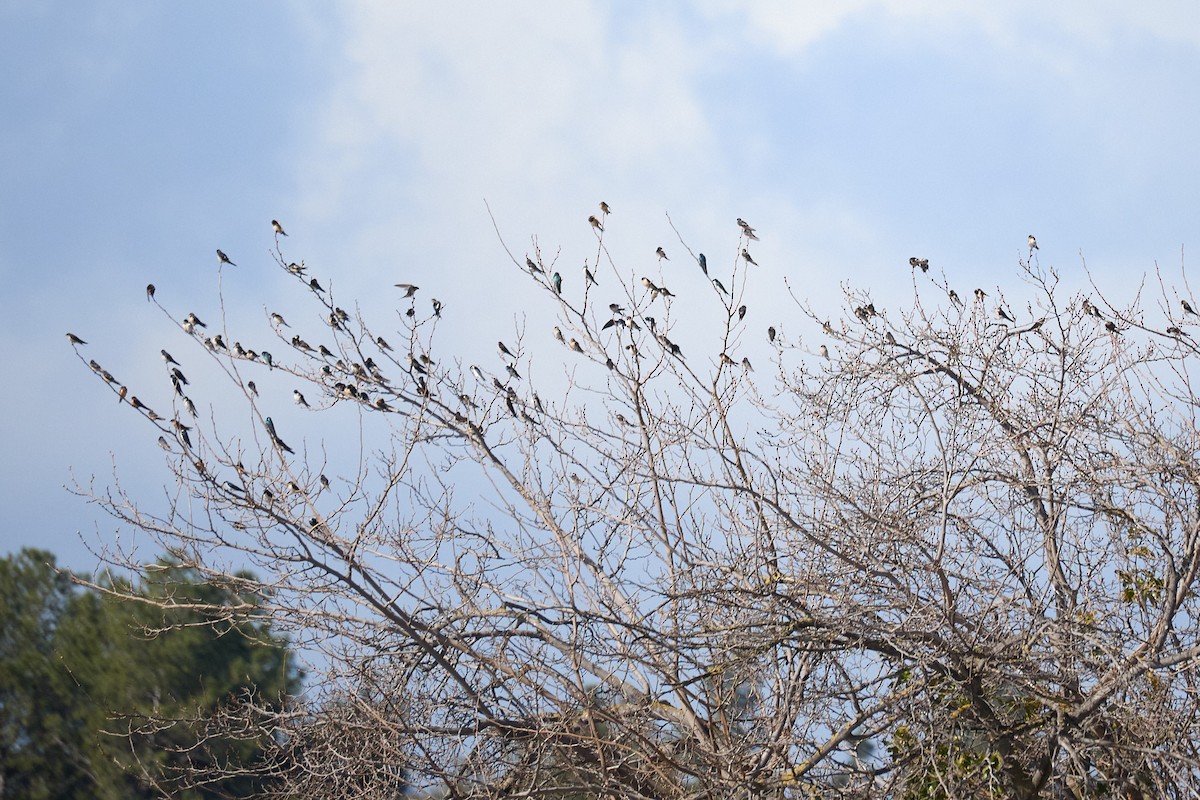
(347,379)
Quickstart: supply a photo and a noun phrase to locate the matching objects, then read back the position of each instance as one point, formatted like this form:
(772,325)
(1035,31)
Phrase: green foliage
(103,696)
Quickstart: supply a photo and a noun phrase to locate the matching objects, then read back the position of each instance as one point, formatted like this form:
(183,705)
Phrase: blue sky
(138,137)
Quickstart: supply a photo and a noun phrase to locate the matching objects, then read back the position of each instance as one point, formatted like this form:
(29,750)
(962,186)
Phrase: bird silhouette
(167,358)
(824,351)
(741,313)
(409,289)
(315,286)
(74,340)
(149,291)
(1187,308)
(224,259)
(662,254)
(1002,315)
(299,398)
(275,436)
(504,351)
(771,334)
(703,264)
(275,226)
(588,277)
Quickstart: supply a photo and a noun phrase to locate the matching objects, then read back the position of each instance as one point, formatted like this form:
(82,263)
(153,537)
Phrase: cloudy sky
(138,137)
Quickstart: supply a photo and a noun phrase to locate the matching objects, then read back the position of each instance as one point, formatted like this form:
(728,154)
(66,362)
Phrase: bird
(512,370)
(74,340)
(296,269)
(1090,309)
(771,333)
(746,364)
(323,481)
(919,263)
(703,264)
(192,319)
(532,266)
(979,295)
(268,360)
(299,398)
(278,321)
(477,372)
(409,289)
(575,346)
(383,345)
(275,436)
(1002,315)
(504,351)
(588,277)
(556,280)
(253,389)
(162,442)
(596,223)
(1187,308)
(824,351)
(741,313)
(720,286)
(954,298)
(604,209)
(746,256)
(1175,331)
(177,374)
(124,390)
(744,225)
(167,359)
(219,342)
(224,259)
(558,334)
(181,431)
(662,254)
(316,287)
(149,291)
(1032,243)
(275,226)
(437,307)
(1110,326)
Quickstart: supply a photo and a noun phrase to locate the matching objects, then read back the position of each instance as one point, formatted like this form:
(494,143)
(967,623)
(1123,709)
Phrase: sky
(138,137)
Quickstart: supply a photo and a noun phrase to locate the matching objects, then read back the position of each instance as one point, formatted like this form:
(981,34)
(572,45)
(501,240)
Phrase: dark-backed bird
(979,295)
(954,298)
(253,389)
(504,351)
(74,340)
(824,351)
(1002,315)
(1187,308)
(266,357)
(224,259)
(703,264)
(275,226)
(588,277)
(556,281)
(741,312)
(279,321)
(720,286)
(534,268)
(437,307)
(604,209)
(192,319)
(595,223)
(299,398)
(662,254)
(771,334)
(1032,243)
(744,225)
(167,359)
(746,256)
(149,291)
(409,289)
(315,286)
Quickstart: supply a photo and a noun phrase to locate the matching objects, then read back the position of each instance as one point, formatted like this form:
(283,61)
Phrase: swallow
(533,268)
(919,263)
(219,342)
(293,487)
(278,321)
(275,437)
(95,366)
(662,254)
(771,334)
(238,350)
(409,289)
(979,295)
(574,345)
(1110,326)
(164,444)
(189,405)
(596,223)
(703,264)
(107,376)
(1187,308)
(275,226)
(621,419)
(437,307)
(224,259)
(1002,315)
(741,313)
(725,359)
(1032,243)
(588,277)
(744,225)
(381,405)
(954,298)
(412,312)
(746,365)
(889,338)
(616,308)
(124,390)
(478,373)
(266,357)
(133,401)
(383,345)
(750,234)
(746,256)
(1174,331)
(720,286)
(324,351)
(295,269)
(176,374)
(1090,309)
(556,280)
(181,431)
(512,370)
(316,287)
(604,209)
(149,292)
(824,351)
(558,334)
(192,319)
(74,340)
(253,389)
(299,398)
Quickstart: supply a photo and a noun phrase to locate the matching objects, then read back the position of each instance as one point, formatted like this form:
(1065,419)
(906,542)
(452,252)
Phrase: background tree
(100,689)
(944,548)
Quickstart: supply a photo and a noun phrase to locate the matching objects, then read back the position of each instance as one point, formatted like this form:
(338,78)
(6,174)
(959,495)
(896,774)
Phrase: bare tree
(944,548)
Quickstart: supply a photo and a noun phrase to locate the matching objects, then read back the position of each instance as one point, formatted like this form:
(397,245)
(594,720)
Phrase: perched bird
(746,364)
(409,289)
(224,259)
(188,404)
(1174,331)
(558,334)
(167,359)
(662,254)
(74,340)
(275,436)
(979,295)
(746,256)
(919,263)
(744,225)
(478,373)
(316,287)
(533,268)
(219,341)
(725,359)
(504,351)
(275,226)
(556,280)
(604,209)
(750,234)
(771,334)
(177,374)
(149,291)
(266,357)
(1090,309)
(253,389)
(954,298)
(588,277)
(124,390)
(595,223)
(703,264)
(1032,243)
(192,319)
(383,345)
(824,351)
(412,312)
(512,370)
(621,419)
(299,398)
(437,307)
(574,345)
(741,313)
(181,431)
(1187,308)
(1110,326)
(296,269)
(278,321)
(164,444)
(720,286)
(1002,315)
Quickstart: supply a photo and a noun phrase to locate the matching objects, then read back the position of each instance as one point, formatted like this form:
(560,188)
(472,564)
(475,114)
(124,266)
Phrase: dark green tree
(105,695)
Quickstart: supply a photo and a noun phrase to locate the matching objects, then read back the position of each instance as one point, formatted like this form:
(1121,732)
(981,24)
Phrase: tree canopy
(942,546)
